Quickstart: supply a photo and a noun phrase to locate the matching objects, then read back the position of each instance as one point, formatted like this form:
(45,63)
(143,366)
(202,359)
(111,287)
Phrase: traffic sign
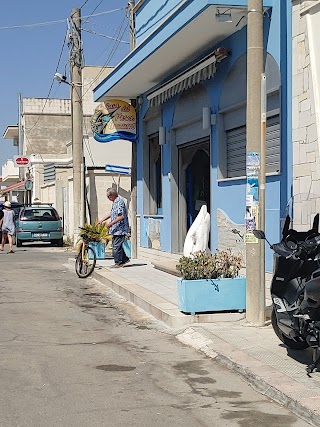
(28,184)
(22,161)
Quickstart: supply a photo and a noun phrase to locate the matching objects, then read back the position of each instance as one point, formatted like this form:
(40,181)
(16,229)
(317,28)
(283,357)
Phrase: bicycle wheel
(85,265)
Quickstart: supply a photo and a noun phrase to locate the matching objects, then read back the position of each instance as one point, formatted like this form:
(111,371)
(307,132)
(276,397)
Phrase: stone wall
(230,235)
(305,126)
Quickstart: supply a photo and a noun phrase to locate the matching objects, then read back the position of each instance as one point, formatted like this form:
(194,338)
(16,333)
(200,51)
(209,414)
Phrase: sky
(30,54)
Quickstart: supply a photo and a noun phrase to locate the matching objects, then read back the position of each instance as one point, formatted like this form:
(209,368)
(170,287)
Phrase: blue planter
(99,248)
(198,296)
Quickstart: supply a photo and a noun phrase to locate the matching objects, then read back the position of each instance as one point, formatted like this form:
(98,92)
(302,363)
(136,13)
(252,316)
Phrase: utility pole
(77,121)
(134,231)
(255,249)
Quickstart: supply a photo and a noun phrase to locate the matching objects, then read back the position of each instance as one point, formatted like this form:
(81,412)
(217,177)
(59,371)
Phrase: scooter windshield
(301,217)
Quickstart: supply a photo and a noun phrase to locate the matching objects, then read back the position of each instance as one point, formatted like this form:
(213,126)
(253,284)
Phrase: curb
(155,305)
(269,386)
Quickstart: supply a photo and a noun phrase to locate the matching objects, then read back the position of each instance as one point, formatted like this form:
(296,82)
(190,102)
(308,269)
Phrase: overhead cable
(42,24)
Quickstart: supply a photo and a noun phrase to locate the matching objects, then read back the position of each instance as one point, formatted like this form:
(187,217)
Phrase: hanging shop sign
(113,120)
(21,161)
(252,195)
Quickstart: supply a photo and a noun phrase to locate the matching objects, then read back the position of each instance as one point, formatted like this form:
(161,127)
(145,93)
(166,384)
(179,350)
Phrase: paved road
(72,354)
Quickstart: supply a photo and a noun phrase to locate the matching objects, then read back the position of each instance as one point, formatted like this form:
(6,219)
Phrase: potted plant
(99,236)
(211,282)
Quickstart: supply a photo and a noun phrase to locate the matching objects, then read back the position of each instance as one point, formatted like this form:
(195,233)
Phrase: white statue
(198,234)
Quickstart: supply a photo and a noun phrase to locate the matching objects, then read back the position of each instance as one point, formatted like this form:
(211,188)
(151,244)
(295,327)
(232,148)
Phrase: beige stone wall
(48,195)
(305,121)
(97,184)
(46,125)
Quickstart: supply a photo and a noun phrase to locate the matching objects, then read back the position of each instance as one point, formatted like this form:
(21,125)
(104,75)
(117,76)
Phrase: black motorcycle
(295,288)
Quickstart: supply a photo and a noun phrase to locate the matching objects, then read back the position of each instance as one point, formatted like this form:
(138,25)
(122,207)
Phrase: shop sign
(113,120)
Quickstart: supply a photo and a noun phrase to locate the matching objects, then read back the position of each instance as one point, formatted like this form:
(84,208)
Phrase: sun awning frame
(12,187)
(201,71)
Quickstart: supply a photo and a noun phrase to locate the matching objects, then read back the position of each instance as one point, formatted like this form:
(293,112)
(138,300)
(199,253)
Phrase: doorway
(194,184)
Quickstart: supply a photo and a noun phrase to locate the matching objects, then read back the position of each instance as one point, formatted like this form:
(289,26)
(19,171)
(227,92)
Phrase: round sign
(28,185)
(22,161)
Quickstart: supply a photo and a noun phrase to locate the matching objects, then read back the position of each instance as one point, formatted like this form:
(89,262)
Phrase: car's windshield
(39,214)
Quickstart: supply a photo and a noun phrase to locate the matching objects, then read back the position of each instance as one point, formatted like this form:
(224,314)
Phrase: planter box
(99,248)
(199,296)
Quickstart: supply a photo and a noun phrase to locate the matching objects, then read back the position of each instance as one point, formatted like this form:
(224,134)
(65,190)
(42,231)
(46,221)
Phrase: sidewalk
(254,353)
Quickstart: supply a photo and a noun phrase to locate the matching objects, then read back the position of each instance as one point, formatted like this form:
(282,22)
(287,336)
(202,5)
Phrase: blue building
(187,75)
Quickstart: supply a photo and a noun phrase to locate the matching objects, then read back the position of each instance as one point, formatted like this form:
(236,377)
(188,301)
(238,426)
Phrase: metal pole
(77,121)
(134,231)
(255,311)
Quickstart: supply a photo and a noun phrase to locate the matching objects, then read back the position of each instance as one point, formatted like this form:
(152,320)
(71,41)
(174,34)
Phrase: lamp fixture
(208,119)
(60,78)
(224,16)
(162,135)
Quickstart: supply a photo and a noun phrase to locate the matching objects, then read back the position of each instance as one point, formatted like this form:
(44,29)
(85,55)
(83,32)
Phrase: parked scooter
(295,288)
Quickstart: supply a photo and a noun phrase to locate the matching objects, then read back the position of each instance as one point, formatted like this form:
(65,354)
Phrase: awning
(12,187)
(199,72)
(180,37)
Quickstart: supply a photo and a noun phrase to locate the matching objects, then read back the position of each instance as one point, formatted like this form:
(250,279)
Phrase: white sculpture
(198,234)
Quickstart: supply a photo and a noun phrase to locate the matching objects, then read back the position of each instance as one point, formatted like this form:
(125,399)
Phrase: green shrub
(201,265)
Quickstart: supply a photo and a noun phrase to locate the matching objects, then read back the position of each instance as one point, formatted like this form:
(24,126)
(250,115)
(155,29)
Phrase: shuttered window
(236,148)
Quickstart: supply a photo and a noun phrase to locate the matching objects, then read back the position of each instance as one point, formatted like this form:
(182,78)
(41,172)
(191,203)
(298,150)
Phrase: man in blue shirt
(118,226)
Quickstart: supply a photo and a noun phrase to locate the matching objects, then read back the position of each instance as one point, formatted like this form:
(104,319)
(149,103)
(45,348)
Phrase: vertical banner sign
(113,120)
(252,195)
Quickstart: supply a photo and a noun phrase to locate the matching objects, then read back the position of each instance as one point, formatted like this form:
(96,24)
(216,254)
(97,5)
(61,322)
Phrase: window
(155,175)
(39,214)
(232,120)
(236,148)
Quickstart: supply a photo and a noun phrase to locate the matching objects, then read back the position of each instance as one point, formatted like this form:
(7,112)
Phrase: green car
(39,223)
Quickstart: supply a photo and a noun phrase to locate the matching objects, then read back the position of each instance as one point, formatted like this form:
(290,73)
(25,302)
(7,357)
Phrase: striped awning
(203,70)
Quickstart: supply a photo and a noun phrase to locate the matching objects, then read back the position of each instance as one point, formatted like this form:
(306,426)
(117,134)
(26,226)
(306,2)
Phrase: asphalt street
(74,354)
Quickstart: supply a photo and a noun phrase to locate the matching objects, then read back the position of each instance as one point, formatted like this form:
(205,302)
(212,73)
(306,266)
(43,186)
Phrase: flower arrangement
(203,265)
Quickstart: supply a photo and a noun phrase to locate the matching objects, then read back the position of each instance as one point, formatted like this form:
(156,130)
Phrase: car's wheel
(18,243)
(58,242)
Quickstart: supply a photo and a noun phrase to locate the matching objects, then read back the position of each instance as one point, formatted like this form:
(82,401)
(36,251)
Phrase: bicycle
(86,259)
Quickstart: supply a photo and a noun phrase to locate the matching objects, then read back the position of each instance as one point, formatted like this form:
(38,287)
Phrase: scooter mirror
(259,234)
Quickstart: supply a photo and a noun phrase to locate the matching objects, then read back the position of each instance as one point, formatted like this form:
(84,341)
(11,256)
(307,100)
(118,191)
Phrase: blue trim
(102,137)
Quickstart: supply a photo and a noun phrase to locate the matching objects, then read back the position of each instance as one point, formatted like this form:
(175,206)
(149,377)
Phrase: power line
(43,24)
(84,4)
(96,7)
(44,106)
(110,55)
(103,35)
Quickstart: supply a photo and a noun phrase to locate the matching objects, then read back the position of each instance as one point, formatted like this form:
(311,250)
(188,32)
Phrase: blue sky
(30,55)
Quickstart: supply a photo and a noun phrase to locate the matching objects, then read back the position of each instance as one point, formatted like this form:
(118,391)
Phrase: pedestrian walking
(7,226)
(118,226)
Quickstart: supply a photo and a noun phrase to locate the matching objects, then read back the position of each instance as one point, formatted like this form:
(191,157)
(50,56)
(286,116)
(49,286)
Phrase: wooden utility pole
(255,249)
(77,121)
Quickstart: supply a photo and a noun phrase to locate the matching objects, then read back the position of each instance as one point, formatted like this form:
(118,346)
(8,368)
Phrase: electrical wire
(110,55)
(96,7)
(103,35)
(43,24)
(103,26)
(84,4)
(57,67)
